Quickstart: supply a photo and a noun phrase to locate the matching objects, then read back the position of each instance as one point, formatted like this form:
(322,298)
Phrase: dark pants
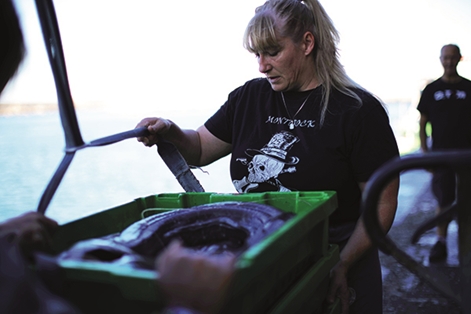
(444,187)
(365,278)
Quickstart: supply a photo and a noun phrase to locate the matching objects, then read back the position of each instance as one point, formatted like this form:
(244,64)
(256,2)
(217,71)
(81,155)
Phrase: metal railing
(458,161)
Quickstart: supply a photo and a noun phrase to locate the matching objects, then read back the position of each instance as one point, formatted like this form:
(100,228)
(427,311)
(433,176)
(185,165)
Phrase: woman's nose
(263,65)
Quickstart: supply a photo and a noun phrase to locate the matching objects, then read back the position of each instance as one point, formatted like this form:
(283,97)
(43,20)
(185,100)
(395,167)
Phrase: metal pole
(464,236)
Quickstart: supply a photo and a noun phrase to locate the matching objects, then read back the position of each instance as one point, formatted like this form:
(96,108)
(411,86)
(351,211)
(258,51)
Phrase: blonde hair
(293,18)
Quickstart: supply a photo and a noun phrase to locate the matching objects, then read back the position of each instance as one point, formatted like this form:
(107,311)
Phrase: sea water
(99,178)
(32,147)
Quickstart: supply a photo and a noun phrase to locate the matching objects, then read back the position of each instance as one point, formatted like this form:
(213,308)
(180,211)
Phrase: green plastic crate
(309,292)
(263,274)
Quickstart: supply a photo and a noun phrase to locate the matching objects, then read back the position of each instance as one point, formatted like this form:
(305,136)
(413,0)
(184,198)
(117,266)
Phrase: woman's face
(286,67)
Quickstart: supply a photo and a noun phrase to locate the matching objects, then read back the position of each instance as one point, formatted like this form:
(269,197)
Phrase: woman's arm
(359,243)
(199,147)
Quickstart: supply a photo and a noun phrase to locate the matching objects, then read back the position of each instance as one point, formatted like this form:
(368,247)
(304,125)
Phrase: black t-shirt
(448,108)
(269,156)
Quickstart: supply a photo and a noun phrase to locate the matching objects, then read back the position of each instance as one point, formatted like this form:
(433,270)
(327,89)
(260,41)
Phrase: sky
(148,57)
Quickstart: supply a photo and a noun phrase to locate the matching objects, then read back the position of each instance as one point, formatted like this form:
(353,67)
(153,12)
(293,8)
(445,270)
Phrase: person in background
(31,231)
(12,48)
(446,105)
(21,290)
(306,126)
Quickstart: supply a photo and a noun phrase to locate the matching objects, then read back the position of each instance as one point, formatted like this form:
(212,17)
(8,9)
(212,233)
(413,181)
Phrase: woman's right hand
(156,126)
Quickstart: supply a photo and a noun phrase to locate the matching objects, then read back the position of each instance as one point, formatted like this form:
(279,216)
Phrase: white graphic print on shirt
(447,94)
(268,162)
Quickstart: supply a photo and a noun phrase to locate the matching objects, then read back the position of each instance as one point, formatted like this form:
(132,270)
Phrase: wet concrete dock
(405,292)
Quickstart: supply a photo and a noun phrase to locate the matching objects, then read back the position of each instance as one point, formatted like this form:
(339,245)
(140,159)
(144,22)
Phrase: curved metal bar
(142,131)
(446,215)
(73,137)
(373,189)
(111,139)
(53,43)
(63,166)
(54,182)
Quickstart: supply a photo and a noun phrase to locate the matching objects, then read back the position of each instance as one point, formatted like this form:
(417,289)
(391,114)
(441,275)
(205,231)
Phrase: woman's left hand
(338,287)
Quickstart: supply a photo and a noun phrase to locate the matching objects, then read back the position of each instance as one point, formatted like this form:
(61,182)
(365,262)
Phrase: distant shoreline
(33,109)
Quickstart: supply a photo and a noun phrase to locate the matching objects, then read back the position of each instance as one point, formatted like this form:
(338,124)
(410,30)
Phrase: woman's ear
(308,42)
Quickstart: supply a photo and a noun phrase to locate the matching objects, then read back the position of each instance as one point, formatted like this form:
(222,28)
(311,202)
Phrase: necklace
(291,124)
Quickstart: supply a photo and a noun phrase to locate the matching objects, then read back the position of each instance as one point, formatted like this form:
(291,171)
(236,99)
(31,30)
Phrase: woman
(306,126)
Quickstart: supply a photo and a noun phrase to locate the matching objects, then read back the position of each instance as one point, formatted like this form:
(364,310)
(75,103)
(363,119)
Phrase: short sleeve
(373,141)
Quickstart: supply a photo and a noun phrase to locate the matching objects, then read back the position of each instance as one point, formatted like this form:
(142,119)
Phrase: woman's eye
(271,53)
